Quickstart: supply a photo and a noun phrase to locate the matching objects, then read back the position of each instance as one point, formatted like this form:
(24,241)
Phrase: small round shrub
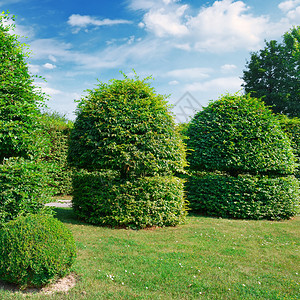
(34,250)
(244,196)
(23,188)
(103,199)
(239,134)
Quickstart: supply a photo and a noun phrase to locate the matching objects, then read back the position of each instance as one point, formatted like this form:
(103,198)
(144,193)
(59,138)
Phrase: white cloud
(228,68)
(141,4)
(80,21)
(48,90)
(288,5)
(185,46)
(190,73)
(294,14)
(222,85)
(226,26)
(173,82)
(52,58)
(164,22)
(34,69)
(49,66)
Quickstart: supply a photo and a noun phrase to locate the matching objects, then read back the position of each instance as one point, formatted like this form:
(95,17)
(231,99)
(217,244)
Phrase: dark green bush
(34,250)
(251,159)
(23,188)
(238,134)
(103,199)
(125,126)
(58,128)
(292,128)
(245,196)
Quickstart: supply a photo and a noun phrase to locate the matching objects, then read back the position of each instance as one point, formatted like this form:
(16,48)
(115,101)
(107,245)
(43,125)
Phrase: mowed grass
(208,258)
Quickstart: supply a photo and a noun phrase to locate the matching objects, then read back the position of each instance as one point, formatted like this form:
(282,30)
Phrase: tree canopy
(19,97)
(274,74)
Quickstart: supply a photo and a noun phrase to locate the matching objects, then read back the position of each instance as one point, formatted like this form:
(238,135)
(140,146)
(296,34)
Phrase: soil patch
(61,285)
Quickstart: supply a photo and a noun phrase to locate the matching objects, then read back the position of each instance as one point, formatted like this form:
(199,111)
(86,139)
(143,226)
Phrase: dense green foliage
(126,126)
(292,128)
(35,250)
(58,128)
(19,100)
(245,196)
(274,73)
(251,159)
(238,134)
(24,188)
(103,199)
(124,130)
(23,181)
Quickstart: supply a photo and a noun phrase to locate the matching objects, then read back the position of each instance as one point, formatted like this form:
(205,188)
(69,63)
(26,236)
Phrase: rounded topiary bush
(104,199)
(239,134)
(124,128)
(248,160)
(34,250)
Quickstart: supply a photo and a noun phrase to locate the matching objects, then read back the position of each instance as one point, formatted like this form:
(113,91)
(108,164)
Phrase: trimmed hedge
(35,250)
(23,188)
(103,199)
(245,196)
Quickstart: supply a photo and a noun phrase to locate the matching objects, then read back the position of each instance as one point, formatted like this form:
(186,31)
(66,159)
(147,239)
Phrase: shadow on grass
(66,215)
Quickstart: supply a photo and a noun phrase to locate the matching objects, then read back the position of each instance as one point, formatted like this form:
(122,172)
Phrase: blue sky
(195,50)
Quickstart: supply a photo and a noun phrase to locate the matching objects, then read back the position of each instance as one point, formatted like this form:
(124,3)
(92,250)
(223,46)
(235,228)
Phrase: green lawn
(207,258)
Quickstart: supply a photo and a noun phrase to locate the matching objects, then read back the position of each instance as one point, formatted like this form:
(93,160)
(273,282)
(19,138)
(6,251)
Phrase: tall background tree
(274,74)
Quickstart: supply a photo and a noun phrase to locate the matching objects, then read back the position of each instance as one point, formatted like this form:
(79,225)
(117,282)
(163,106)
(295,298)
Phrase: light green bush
(35,250)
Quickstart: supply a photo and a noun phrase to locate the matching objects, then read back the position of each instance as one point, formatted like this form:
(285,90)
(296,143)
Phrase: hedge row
(58,128)
(103,199)
(244,197)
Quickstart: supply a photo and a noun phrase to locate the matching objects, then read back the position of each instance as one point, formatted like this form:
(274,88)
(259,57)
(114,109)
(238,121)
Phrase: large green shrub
(34,250)
(242,142)
(24,188)
(125,128)
(103,199)
(58,128)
